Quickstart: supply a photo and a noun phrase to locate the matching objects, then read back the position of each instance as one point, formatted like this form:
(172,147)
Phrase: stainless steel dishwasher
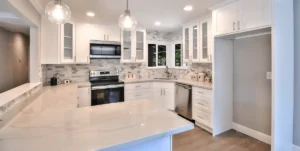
(183,100)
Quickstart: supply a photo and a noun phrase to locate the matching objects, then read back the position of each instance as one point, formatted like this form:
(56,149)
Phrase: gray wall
(297,74)
(252,90)
(14,54)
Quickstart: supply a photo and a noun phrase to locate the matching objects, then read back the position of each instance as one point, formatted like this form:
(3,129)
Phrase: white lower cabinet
(84,97)
(165,94)
(138,91)
(161,92)
(202,108)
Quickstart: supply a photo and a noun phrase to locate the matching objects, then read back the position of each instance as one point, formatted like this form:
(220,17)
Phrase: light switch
(269,75)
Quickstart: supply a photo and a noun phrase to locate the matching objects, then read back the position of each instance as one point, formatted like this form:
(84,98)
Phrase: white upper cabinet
(206,40)
(254,13)
(197,41)
(133,45)
(186,43)
(58,42)
(82,43)
(226,19)
(242,15)
(107,33)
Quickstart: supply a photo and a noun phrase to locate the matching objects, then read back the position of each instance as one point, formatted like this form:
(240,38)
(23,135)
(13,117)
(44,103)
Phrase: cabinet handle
(107,37)
(238,24)
(75,58)
(233,26)
(200,92)
(160,91)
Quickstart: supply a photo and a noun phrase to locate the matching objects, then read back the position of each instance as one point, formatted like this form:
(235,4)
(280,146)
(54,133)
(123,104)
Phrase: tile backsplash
(78,72)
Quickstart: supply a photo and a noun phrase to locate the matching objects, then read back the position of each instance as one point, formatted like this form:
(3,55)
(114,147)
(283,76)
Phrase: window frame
(167,44)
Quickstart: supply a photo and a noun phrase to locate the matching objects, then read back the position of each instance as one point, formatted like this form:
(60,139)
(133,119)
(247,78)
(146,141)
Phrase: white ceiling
(169,12)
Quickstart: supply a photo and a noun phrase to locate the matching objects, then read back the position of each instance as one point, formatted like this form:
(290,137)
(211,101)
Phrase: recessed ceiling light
(90,14)
(188,8)
(157,23)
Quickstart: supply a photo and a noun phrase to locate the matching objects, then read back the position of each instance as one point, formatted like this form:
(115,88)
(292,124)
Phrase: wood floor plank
(200,140)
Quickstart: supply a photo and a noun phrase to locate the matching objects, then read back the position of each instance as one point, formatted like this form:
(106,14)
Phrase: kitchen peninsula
(53,122)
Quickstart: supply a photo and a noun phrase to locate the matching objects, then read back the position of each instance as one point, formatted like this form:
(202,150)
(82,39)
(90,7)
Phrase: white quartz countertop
(189,82)
(53,123)
(14,93)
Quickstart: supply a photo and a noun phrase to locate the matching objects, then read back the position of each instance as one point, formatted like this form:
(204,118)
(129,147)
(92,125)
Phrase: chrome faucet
(168,72)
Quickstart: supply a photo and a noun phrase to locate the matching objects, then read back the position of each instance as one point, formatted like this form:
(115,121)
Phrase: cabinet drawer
(202,117)
(137,86)
(137,95)
(202,92)
(202,103)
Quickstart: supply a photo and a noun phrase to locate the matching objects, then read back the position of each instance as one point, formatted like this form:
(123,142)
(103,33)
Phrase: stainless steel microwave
(105,49)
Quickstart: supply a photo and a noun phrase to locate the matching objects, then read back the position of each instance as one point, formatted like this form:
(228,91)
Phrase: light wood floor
(200,140)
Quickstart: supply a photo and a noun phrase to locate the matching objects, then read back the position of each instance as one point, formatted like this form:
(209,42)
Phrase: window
(178,55)
(157,55)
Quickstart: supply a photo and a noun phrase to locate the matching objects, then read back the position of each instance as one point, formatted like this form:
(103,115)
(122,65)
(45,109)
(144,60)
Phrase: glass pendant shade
(127,22)
(58,12)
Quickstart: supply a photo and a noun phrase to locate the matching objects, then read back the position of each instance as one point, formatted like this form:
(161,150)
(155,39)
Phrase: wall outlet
(269,75)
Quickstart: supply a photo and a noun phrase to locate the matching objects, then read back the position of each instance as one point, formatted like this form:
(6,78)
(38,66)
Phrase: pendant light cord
(127,5)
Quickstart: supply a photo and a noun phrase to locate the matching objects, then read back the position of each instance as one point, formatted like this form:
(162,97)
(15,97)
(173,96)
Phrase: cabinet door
(126,44)
(140,45)
(186,44)
(254,14)
(82,43)
(84,97)
(226,21)
(67,43)
(112,33)
(169,98)
(96,32)
(195,43)
(206,41)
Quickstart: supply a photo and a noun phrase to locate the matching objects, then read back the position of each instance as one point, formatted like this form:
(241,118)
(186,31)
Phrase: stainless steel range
(106,87)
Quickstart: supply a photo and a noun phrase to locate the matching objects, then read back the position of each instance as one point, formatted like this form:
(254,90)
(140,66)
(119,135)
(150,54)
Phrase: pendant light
(58,12)
(126,21)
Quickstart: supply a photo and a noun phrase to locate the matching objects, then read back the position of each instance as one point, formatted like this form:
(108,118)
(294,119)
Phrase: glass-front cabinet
(206,39)
(186,44)
(195,43)
(68,43)
(133,46)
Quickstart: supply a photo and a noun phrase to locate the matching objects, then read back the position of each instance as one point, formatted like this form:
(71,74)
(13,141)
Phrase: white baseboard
(296,148)
(253,133)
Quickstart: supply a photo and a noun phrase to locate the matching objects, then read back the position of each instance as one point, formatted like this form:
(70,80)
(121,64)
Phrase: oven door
(107,94)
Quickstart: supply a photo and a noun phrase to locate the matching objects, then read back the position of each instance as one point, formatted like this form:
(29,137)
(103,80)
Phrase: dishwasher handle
(184,86)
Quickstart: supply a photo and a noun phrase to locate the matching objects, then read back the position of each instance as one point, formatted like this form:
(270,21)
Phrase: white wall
(283,75)
(26,10)
(297,74)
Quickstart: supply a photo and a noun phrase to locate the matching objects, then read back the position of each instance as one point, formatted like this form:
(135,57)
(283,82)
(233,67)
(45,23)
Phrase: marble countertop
(53,122)
(14,93)
(189,82)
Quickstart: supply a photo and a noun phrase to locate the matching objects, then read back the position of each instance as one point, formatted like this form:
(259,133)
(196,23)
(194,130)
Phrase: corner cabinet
(133,46)
(242,15)
(197,41)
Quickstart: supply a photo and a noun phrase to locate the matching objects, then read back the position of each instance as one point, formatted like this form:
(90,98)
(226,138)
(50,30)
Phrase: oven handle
(107,87)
